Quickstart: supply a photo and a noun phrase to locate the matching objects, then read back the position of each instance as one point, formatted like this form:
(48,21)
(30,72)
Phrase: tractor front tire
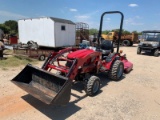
(156,53)
(92,86)
(116,70)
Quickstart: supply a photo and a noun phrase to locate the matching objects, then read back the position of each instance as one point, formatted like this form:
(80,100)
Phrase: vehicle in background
(140,38)
(126,40)
(150,42)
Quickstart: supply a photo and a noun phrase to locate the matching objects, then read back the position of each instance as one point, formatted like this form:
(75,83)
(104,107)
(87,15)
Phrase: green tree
(134,31)
(13,25)
(106,32)
(117,30)
(139,33)
(126,32)
(93,31)
(5,28)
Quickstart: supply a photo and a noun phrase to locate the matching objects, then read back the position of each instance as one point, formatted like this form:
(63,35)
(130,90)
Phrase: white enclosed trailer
(47,31)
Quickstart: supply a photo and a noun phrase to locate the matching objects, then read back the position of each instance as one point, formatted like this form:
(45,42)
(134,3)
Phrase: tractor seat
(106,47)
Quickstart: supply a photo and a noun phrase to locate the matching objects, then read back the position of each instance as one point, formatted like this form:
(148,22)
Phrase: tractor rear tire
(92,86)
(138,50)
(116,70)
(156,53)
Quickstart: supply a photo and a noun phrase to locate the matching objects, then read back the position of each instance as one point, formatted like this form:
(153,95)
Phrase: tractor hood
(80,53)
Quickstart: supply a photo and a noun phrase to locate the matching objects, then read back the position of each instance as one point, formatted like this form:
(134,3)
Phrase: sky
(139,15)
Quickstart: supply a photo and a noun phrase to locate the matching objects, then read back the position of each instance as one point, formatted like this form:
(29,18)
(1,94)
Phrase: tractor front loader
(52,83)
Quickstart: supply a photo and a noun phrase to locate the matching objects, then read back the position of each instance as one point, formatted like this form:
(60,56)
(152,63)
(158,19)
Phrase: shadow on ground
(148,54)
(63,112)
(3,58)
(51,111)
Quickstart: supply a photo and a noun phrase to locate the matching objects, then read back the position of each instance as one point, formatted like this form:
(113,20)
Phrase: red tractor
(53,82)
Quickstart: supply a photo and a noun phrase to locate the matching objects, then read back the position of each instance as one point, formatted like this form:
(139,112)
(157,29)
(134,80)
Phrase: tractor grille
(146,45)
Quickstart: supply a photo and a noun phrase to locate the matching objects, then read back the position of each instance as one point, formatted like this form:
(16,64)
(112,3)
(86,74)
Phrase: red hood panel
(80,53)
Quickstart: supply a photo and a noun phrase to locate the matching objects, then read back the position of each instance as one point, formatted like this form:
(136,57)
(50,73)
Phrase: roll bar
(120,30)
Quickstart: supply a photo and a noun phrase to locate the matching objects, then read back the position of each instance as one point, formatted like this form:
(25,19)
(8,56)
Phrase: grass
(15,61)
(8,52)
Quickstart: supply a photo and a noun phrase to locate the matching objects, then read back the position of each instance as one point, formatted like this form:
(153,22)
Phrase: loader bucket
(43,85)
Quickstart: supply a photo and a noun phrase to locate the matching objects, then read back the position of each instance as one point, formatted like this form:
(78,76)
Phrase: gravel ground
(135,97)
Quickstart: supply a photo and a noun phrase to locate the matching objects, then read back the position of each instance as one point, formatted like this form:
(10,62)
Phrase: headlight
(140,43)
(155,44)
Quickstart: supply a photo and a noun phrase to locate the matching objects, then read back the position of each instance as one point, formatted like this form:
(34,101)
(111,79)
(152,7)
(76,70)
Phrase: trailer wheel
(116,70)
(41,57)
(156,53)
(126,43)
(92,86)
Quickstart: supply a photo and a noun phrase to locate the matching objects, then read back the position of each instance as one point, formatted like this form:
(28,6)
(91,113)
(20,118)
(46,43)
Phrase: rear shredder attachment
(48,87)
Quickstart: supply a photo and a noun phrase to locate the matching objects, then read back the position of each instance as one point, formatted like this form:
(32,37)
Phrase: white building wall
(72,34)
(40,30)
(64,37)
(46,32)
